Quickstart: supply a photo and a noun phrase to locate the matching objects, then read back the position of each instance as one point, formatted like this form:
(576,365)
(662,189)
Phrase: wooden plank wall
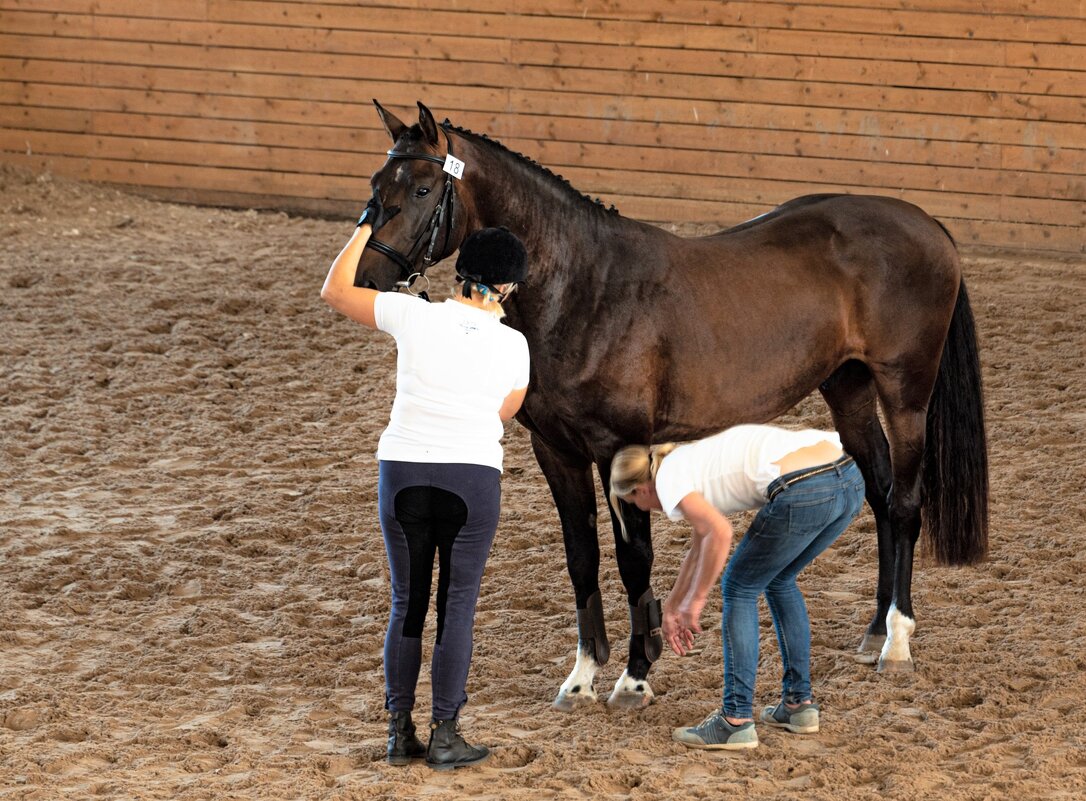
(674,111)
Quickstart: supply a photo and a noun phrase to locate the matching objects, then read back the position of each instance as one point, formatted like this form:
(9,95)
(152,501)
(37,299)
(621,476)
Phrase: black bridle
(442,216)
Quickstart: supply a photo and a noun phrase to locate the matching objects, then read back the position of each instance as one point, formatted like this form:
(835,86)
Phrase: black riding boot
(448,750)
(403,745)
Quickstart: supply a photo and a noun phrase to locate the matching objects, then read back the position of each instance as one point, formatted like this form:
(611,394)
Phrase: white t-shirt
(731,469)
(455,365)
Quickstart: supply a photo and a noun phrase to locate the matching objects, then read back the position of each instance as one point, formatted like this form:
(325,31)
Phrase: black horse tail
(954,492)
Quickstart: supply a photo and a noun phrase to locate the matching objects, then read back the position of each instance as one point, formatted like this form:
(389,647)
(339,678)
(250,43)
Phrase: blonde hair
(632,466)
(482,294)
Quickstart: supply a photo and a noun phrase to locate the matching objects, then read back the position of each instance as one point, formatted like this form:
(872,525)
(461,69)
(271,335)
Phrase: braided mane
(563,184)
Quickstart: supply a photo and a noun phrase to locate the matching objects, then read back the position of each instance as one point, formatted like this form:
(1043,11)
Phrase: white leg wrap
(578,689)
(630,693)
(898,630)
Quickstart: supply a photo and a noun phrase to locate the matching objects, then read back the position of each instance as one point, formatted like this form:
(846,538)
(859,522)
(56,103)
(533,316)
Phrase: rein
(442,216)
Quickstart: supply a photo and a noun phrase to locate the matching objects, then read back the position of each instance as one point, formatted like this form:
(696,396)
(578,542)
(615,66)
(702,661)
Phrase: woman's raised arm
(339,290)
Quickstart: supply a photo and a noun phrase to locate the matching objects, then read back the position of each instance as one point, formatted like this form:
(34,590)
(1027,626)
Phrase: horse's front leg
(570,481)
(634,555)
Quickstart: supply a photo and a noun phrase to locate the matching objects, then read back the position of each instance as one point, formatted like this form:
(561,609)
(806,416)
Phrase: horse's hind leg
(635,556)
(904,391)
(907,429)
(570,481)
(850,394)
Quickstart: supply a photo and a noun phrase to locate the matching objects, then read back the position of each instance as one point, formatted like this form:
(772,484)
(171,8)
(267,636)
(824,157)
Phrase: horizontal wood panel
(532,135)
(110,61)
(559,157)
(685,110)
(1072,188)
(652,9)
(258,85)
(501,31)
(380,60)
(1058,26)
(964,231)
(645,10)
(1040,237)
(918,73)
(207,185)
(971,206)
(657,15)
(342,97)
(747,188)
(255,182)
(293,77)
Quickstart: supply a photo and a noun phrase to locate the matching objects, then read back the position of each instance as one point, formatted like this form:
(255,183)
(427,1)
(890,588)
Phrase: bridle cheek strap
(444,210)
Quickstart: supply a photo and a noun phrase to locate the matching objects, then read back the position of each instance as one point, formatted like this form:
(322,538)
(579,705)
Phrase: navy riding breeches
(450,510)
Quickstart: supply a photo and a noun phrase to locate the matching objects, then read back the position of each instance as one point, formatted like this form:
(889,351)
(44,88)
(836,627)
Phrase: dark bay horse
(638,336)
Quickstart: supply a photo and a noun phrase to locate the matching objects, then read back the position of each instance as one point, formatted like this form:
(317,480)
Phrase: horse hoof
(872,642)
(569,701)
(629,702)
(630,694)
(896,666)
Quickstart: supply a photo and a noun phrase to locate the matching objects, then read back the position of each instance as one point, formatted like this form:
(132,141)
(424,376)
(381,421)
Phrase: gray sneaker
(802,720)
(715,733)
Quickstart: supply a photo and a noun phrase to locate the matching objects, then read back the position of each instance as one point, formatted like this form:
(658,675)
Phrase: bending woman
(807,491)
(459,374)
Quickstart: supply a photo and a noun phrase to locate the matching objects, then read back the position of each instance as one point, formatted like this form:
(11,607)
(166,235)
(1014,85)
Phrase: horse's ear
(426,122)
(392,124)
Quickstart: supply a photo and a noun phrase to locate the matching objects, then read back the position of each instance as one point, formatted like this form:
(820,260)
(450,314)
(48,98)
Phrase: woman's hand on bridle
(371,214)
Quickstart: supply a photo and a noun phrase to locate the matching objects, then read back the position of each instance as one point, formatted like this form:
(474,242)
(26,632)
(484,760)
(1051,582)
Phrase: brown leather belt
(784,482)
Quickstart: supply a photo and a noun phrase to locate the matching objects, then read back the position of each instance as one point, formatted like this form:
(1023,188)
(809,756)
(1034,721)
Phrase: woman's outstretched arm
(710,542)
(339,290)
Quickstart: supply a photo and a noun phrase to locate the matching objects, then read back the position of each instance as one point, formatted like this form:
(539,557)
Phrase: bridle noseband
(443,215)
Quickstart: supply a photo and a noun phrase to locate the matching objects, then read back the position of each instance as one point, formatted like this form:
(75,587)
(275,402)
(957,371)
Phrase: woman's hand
(690,613)
(681,623)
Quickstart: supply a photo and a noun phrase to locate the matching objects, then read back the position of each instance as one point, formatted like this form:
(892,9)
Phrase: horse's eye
(422,191)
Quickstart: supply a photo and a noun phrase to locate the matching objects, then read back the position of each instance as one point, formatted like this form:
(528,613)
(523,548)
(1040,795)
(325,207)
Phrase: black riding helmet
(492,256)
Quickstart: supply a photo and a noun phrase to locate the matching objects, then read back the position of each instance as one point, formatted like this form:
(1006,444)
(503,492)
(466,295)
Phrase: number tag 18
(454,166)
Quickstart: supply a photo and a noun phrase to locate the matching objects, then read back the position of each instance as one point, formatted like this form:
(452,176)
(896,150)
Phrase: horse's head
(416,216)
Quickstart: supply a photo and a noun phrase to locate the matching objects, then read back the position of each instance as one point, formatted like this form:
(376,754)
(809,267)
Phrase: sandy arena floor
(193,588)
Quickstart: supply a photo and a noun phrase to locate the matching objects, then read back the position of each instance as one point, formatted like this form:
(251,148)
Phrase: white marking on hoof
(630,693)
(895,656)
(577,690)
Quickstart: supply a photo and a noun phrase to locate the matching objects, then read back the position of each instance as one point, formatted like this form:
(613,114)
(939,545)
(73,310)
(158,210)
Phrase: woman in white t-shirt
(807,491)
(459,374)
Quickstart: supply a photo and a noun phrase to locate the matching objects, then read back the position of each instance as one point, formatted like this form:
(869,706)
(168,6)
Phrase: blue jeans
(787,534)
